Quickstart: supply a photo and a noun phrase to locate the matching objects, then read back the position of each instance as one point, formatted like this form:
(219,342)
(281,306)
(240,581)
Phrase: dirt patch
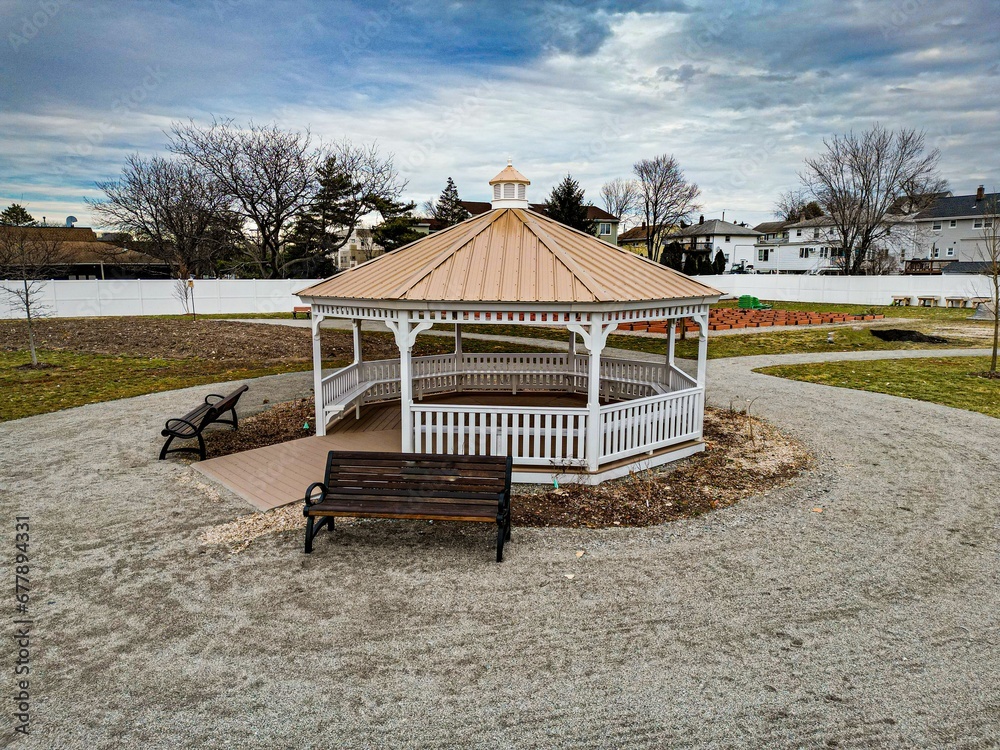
(902,334)
(39,366)
(744,456)
(179,338)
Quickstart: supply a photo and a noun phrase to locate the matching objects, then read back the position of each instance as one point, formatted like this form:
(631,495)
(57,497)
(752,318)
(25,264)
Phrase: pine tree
(448,208)
(719,265)
(690,264)
(565,204)
(396,228)
(672,256)
(705,265)
(16,215)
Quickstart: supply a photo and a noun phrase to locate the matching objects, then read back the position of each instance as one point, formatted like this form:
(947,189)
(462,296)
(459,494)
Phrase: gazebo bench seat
(411,486)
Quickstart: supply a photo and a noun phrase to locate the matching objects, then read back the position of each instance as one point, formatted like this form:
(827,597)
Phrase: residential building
(807,246)
(634,239)
(952,228)
(606,224)
(736,241)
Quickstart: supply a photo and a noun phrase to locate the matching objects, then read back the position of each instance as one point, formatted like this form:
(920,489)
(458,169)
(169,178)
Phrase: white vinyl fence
(857,290)
(78,299)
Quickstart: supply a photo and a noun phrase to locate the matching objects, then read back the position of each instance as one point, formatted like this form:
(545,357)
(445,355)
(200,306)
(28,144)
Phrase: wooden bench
(192,424)
(927,301)
(899,301)
(956,301)
(303,309)
(411,485)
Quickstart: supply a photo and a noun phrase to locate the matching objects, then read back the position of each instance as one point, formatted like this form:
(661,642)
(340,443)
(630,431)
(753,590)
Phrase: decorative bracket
(405,335)
(602,330)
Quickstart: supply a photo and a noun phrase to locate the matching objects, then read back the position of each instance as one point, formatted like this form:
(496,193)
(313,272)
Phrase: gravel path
(874,623)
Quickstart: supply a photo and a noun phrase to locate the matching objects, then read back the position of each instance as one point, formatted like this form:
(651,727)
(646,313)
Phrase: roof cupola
(510,188)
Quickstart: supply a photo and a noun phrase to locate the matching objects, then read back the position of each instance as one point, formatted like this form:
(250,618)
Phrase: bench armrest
(309,499)
(216,396)
(169,429)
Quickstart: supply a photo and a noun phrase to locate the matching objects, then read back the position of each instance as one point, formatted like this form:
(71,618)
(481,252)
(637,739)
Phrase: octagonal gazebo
(509,266)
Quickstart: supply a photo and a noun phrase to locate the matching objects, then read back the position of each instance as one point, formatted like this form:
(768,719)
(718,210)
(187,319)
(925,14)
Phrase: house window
(988,223)
(604,229)
(951,252)
(762,254)
(816,234)
(952,223)
(824,252)
(936,226)
(727,238)
(977,224)
(937,253)
(798,232)
(804,252)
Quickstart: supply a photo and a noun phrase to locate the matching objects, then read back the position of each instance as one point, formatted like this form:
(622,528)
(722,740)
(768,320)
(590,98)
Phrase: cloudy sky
(741,91)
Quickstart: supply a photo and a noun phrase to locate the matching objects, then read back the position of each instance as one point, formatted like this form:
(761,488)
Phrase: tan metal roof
(509,174)
(510,255)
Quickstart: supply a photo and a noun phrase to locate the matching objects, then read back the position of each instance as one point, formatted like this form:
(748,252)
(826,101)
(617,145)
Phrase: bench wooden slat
(414,486)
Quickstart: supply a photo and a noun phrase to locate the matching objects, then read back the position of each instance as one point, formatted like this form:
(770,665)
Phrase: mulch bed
(901,334)
(744,456)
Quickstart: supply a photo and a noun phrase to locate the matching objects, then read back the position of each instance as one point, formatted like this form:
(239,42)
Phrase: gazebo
(575,416)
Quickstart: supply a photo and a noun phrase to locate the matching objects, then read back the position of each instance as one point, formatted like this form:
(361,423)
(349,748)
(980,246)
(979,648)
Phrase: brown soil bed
(744,456)
(177,338)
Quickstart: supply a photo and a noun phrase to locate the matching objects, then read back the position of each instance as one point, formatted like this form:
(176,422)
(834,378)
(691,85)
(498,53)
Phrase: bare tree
(268,173)
(174,208)
(989,253)
(28,254)
(794,205)
(665,198)
(859,180)
(366,243)
(621,198)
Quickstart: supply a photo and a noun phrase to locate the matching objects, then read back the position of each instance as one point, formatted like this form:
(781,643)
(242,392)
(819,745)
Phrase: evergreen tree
(448,208)
(705,265)
(565,204)
(672,256)
(396,228)
(16,215)
(324,227)
(690,265)
(719,265)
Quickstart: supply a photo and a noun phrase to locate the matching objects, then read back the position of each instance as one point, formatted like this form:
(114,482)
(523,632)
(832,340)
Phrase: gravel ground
(874,623)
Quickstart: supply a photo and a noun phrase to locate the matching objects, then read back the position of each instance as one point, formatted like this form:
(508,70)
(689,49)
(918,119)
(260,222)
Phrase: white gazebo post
(594,339)
(406,335)
(457,362)
(702,348)
(318,374)
(358,354)
(671,333)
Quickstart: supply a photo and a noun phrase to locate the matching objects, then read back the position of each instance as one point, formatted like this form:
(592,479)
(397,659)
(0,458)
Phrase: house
(606,223)
(634,239)
(807,246)
(952,228)
(736,241)
(83,255)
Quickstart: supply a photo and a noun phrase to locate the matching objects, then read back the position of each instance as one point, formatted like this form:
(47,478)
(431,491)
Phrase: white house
(807,246)
(952,229)
(736,241)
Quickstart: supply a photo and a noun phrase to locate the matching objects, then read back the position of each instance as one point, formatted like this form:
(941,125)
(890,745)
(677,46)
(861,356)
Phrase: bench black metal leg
(501,536)
(309,534)
(163,450)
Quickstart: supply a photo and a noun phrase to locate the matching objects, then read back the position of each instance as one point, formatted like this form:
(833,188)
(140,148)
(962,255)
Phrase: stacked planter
(724,319)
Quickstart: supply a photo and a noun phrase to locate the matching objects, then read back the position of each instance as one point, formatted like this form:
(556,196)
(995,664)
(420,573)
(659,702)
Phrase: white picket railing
(647,424)
(532,436)
(660,405)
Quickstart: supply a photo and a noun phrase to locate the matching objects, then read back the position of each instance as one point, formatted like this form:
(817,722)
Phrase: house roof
(819,221)
(771,227)
(716,226)
(967,266)
(960,205)
(79,245)
(593,212)
(510,255)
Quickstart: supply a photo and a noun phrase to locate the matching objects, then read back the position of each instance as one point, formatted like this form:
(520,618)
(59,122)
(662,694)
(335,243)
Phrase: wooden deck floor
(279,474)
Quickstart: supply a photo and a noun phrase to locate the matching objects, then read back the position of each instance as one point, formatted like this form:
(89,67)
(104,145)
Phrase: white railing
(340,383)
(680,380)
(647,424)
(549,437)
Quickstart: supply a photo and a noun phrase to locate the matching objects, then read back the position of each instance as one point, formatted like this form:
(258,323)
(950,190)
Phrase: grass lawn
(795,340)
(101,359)
(922,313)
(946,380)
